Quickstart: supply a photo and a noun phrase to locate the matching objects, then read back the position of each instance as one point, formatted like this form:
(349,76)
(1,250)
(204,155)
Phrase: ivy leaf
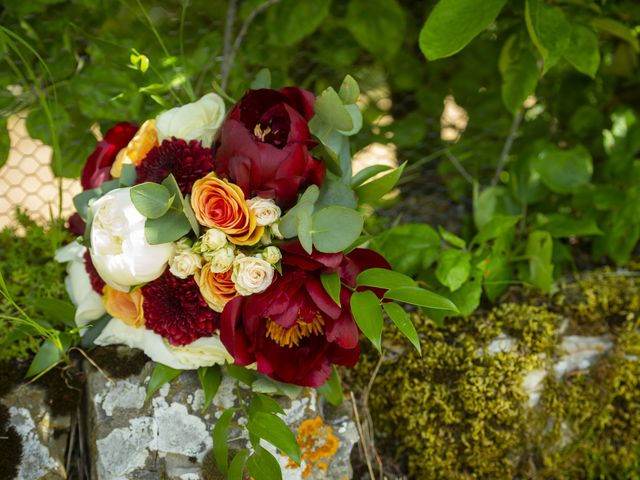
(583,51)
(128,175)
(161,375)
(263,466)
(220,436)
(332,285)
(399,317)
(151,199)
(454,267)
(548,29)
(331,390)
(366,310)
(210,379)
(274,430)
(454,23)
(420,297)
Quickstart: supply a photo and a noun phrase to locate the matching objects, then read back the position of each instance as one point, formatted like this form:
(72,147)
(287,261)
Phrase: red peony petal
(321,298)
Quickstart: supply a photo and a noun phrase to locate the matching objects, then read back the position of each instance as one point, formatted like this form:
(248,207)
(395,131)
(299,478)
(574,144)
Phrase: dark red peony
(174,308)
(187,161)
(98,167)
(263,145)
(294,330)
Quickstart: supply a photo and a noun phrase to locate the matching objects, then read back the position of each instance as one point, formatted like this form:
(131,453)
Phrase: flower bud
(271,254)
(213,239)
(185,264)
(221,260)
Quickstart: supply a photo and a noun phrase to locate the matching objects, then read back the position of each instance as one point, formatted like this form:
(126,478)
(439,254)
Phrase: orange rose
(220,204)
(217,288)
(124,306)
(144,140)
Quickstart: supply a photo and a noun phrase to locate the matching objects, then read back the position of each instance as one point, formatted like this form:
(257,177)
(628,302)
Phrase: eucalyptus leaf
(336,228)
(331,110)
(151,199)
(170,227)
(349,90)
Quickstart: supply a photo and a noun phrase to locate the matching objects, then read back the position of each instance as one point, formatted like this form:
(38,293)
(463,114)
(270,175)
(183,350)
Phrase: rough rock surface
(170,436)
(44,436)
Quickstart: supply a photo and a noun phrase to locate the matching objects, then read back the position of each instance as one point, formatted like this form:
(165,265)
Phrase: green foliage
(160,376)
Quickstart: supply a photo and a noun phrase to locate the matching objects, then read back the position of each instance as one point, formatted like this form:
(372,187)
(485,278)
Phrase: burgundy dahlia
(187,161)
(294,330)
(97,283)
(97,169)
(174,308)
(263,145)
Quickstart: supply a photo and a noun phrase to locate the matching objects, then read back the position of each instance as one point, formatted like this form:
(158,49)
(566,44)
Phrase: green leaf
(170,227)
(272,429)
(304,225)
(335,192)
(617,29)
(210,379)
(270,386)
(128,175)
(57,310)
(331,390)
(47,357)
(336,228)
(349,90)
(420,297)
(374,190)
(95,329)
(548,29)
(220,437)
(263,79)
(486,204)
(290,21)
(467,297)
(263,466)
(264,403)
(367,312)
(161,375)
(356,120)
(496,271)
(563,226)
(236,469)
(377,25)
(331,110)
(519,71)
(409,248)
(332,285)
(81,201)
(368,172)
(191,216)
(583,51)
(454,267)
(5,141)
(288,223)
(151,199)
(399,317)
(496,227)
(564,171)
(454,23)
(540,252)
(383,278)
(241,374)
(451,238)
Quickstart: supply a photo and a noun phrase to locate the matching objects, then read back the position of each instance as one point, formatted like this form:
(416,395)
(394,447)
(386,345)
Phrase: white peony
(195,121)
(185,264)
(213,239)
(88,303)
(251,275)
(221,260)
(204,352)
(119,250)
(265,210)
(271,254)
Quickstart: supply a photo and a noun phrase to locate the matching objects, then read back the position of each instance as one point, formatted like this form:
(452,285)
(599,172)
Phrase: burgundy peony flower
(294,330)
(94,277)
(187,161)
(263,145)
(174,308)
(97,169)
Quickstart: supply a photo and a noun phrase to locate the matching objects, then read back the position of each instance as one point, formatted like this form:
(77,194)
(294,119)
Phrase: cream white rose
(221,260)
(88,303)
(251,275)
(213,239)
(185,264)
(275,231)
(195,121)
(203,352)
(119,250)
(265,210)
(271,254)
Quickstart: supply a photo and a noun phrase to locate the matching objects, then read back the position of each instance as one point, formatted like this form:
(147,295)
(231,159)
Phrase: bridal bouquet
(210,238)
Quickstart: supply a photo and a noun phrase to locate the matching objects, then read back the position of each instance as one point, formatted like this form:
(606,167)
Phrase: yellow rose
(217,288)
(144,140)
(125,306)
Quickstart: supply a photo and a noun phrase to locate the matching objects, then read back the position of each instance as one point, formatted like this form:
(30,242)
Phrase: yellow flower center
(288,337)
(261,134)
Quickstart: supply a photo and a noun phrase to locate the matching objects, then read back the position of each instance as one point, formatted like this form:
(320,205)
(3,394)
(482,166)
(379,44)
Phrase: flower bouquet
(212,240)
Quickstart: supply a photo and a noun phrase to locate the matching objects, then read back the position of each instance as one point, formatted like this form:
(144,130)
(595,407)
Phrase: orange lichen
(317,443)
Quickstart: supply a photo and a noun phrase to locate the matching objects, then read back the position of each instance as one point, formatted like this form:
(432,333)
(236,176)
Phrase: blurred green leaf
(377,25)
(540,250)
(454,267)
(519,74)
(289,21)
(410,248)
(583,51)
(548,29)
(564,171)
(210,379)
(331,390)
(5,142)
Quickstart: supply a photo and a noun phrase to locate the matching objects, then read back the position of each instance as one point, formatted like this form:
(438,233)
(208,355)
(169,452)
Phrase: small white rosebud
(221,260)
(265,210)
(251,275)
(275,231)
(183,245)
(271,254)
(185,264)
(213,239)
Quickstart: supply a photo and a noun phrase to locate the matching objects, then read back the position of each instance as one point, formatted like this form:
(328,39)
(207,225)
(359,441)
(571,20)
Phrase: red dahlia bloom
(174,308)
(294,330)
(97,284)
(263,145)
(98,167)
(187,161)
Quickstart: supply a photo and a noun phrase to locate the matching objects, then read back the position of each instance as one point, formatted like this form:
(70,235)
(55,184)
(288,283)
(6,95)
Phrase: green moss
(27,265)
(459,412)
